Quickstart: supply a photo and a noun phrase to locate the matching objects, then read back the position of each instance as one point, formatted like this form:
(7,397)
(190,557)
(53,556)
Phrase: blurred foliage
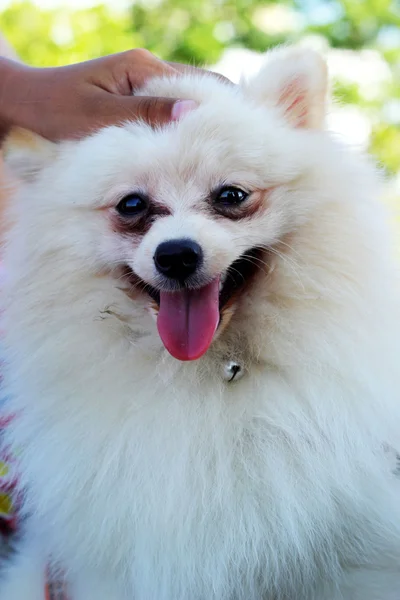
(60,36)
(200,30)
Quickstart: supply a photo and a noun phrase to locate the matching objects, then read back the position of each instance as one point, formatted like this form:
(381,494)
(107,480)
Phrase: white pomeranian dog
(202,335)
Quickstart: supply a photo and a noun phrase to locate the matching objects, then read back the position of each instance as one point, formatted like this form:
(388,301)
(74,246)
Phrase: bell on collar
(232,371)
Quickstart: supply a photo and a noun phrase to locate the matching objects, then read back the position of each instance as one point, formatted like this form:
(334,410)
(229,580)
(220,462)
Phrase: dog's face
(183,220)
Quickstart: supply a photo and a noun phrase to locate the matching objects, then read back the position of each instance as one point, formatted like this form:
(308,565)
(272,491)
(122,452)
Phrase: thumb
(157,111)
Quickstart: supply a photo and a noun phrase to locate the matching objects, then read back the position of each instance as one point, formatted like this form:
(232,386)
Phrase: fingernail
(181,108)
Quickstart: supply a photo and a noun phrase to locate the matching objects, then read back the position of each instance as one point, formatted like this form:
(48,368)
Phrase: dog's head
(183,221)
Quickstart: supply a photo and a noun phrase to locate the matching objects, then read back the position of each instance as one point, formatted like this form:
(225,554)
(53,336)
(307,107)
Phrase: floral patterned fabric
(8,481)
(8,462)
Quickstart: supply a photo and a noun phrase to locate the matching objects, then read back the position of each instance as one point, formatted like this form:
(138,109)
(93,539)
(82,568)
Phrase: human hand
(71,101)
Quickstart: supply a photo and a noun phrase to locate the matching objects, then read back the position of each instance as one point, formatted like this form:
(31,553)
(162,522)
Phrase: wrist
(15,84)
(8,69)
(5,73)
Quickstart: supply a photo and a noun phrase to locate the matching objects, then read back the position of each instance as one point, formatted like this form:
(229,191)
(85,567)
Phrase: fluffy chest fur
(176,483)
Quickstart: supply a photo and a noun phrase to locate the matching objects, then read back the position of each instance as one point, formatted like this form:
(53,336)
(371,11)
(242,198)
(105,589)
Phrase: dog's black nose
(178,259)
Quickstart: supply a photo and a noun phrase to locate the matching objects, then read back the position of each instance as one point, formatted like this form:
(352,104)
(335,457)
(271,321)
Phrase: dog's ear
(26,153)
(294,81)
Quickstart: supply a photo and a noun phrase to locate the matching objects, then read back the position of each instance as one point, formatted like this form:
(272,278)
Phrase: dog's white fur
(148,478)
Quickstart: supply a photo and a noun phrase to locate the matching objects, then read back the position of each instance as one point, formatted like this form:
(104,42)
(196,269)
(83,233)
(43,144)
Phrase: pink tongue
(188,319)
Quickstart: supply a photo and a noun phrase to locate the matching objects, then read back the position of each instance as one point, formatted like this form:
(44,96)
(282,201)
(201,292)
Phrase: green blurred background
(361,39)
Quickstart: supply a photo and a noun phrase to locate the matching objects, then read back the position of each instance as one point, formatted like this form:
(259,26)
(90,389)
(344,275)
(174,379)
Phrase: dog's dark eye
(230,196)
(132,205)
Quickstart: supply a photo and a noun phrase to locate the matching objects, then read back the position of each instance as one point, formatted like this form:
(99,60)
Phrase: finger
(122,73)
(139,66)
(188,69)
(138,78)
(114,110)
(158,111)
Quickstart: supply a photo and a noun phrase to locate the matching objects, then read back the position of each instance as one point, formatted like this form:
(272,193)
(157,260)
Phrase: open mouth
(188,318)
(237,276)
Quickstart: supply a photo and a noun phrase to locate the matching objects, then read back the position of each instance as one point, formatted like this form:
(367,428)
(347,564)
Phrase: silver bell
(232,370)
